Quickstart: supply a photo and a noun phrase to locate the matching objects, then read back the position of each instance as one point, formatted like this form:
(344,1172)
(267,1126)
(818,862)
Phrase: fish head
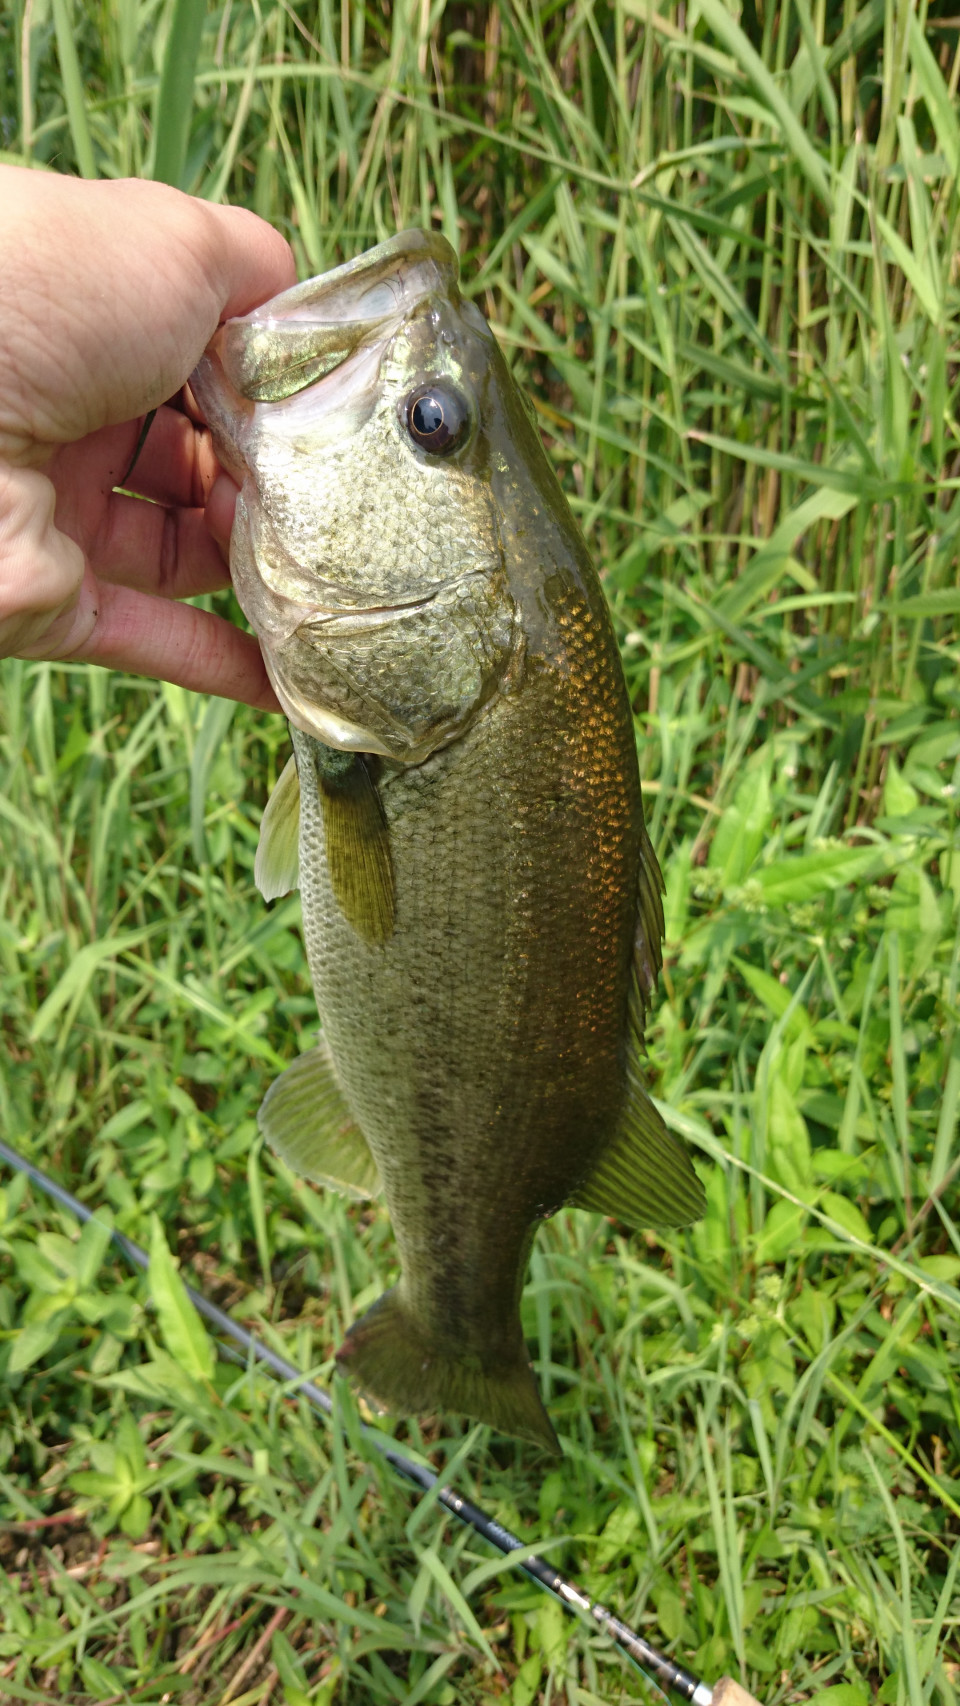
(366,549)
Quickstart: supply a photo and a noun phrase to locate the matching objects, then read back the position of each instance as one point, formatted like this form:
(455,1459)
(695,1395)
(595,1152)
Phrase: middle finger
(176,463)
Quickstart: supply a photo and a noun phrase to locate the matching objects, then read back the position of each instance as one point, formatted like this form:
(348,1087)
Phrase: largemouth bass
(481,901)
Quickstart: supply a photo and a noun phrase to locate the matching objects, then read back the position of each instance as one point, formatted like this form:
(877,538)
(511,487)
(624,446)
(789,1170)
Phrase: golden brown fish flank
(480,900)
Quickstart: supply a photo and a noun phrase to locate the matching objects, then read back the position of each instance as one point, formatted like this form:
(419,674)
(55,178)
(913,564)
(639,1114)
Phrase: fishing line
(573,1598)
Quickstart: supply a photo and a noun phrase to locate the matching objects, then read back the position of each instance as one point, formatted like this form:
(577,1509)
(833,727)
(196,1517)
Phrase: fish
(462,813)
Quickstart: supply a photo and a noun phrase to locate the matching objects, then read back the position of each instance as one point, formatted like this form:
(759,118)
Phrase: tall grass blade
(216,722)
(73,90)
(183,1331)
(175,93)
(727,30)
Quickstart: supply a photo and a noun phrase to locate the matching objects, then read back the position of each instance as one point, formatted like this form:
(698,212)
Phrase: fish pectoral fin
(645,1176)
(358,850)
(276,869)
(305,1119)
(399,1369)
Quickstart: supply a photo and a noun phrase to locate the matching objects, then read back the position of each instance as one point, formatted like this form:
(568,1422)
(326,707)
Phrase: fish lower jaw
(325,725)
(336,731)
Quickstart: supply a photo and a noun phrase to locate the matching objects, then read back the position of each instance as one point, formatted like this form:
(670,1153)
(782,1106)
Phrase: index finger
(142,635)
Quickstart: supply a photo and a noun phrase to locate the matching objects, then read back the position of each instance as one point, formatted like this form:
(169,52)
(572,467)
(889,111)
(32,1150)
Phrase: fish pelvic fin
(305,1119)
(398,1369)
(645,1176)
(276,869)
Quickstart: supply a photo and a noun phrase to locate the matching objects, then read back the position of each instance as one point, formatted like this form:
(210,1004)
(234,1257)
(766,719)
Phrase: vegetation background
(719,247)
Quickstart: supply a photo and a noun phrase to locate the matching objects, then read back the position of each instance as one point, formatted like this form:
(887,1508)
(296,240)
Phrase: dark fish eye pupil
(427,415)
(437,418)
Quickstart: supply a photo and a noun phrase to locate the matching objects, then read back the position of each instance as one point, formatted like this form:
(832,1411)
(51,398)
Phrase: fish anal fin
(399,1370)
(645,1176)
(306,1121)
(276,869)
(358,850)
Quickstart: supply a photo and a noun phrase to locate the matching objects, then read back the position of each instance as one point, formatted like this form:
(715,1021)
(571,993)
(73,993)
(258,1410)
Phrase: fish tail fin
(397,1367)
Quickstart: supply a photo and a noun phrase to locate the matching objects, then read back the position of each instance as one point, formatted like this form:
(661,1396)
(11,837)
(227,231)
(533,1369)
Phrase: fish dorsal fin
(645,1176)
(306,1121)
(276,869)
(357,843)
(648,939)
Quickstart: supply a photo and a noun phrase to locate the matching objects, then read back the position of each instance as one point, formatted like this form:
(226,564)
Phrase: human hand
(109,293)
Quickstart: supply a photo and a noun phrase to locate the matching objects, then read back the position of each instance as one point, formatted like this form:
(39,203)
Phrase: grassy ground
(719,251)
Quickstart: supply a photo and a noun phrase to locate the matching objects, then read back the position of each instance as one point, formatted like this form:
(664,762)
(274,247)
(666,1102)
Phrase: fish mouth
(301,336)
(338,619)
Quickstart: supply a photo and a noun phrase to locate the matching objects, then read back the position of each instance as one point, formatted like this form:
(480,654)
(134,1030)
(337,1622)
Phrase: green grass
(720,253)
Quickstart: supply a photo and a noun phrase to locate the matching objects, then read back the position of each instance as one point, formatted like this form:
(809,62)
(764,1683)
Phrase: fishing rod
(726,1692)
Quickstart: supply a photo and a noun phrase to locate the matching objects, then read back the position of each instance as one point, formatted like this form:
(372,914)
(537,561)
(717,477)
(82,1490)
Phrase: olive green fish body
(482,1055)
(480,900)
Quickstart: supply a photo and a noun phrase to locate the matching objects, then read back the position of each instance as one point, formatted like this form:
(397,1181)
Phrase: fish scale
(480,899)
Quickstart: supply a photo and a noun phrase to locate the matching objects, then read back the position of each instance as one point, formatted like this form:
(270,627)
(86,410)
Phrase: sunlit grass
(720,253)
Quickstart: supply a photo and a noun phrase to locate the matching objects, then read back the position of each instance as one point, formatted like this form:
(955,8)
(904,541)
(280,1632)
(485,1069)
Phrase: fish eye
(437,418)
